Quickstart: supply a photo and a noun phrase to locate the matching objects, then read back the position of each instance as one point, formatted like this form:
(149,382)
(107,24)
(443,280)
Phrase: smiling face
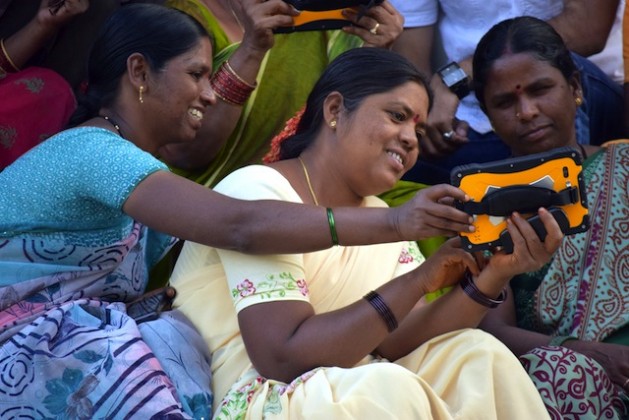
(530,103)
(380,141)
(181,93)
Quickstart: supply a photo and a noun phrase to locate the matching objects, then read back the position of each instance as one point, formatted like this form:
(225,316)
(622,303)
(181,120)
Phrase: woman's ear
(137,70)
(575,84)
(332,107)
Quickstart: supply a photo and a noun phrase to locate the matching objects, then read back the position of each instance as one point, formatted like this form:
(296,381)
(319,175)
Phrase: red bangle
(470,289)
(230,87)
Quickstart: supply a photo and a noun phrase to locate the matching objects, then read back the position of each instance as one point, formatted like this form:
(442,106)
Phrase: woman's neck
(324,182)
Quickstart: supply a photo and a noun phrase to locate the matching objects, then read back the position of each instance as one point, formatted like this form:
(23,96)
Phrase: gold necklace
(303,165)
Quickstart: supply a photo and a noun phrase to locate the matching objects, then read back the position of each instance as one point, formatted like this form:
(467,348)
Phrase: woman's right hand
(259,18)
(431,213)
(446,266)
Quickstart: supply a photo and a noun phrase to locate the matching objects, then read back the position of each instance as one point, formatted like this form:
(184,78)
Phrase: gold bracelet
(6,55)
(233,72)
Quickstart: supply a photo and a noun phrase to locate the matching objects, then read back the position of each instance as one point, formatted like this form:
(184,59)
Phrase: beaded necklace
(112,122)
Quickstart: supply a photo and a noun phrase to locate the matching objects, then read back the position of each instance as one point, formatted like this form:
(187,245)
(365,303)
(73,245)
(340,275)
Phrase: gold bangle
(6,55)
(233,72)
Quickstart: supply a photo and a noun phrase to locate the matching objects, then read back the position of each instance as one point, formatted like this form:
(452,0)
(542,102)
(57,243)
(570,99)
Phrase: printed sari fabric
(66,354)
(41,104)
(70,262)
(584,292)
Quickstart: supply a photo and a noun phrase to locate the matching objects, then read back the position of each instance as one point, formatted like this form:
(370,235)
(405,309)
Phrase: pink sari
(36,103)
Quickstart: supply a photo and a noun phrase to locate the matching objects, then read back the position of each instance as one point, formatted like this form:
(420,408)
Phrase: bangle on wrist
(383,309)
(558,341)
(470,289)
(229,86)
(6,64)
(332,224)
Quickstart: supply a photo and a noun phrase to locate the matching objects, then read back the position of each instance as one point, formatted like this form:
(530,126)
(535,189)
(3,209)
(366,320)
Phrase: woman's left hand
(379,26)
(529,252)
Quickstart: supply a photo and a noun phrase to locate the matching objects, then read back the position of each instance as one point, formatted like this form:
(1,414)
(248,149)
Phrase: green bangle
(560,339)
(335,238)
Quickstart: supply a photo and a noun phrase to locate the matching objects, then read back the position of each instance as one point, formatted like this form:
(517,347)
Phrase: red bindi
(518,89)
(416,118)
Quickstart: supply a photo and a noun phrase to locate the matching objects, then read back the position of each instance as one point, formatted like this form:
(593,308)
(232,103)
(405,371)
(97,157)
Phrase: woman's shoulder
(256,182)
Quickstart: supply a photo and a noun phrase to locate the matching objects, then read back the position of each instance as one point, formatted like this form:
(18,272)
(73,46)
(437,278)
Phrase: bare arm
(285,339)
(416,45)
(595,15)
(22,45)
(180,207)
(456,310)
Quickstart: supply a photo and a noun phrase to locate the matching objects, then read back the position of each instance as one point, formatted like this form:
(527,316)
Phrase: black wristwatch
(455,78)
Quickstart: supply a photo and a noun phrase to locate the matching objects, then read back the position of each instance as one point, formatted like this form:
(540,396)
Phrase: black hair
(157,32)
(355,74)
(523,34)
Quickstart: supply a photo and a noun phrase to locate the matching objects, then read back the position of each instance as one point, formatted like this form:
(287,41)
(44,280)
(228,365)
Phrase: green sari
(286,77)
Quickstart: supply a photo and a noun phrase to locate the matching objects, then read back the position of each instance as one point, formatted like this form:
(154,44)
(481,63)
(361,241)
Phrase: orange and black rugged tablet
(319,15)
(552,180)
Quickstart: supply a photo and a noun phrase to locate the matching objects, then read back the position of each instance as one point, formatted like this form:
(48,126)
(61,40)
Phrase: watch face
(452,74)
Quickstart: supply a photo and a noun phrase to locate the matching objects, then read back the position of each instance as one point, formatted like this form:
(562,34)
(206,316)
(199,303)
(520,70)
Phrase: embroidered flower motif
(303,286)
(246,288)
(405,257)
(235,405)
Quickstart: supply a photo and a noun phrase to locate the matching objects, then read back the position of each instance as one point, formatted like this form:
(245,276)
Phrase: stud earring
(578,101)
(517,115)
(333,124)
(140,98)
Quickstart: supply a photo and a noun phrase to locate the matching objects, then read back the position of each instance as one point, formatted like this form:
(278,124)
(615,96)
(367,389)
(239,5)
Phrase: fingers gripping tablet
(553,180)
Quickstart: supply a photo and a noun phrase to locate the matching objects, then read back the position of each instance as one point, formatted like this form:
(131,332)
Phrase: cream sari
(463,374)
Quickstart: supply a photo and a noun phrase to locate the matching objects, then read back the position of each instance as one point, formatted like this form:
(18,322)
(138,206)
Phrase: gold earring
(578,101)
(333,123)
(141,99)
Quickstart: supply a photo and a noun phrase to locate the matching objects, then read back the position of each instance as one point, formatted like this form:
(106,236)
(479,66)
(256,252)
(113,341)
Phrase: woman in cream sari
(290,335)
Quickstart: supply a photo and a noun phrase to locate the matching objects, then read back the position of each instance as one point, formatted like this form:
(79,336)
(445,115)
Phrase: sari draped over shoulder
(455,375)
(584,293)
(585,290)
(289,70)
(68,347)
